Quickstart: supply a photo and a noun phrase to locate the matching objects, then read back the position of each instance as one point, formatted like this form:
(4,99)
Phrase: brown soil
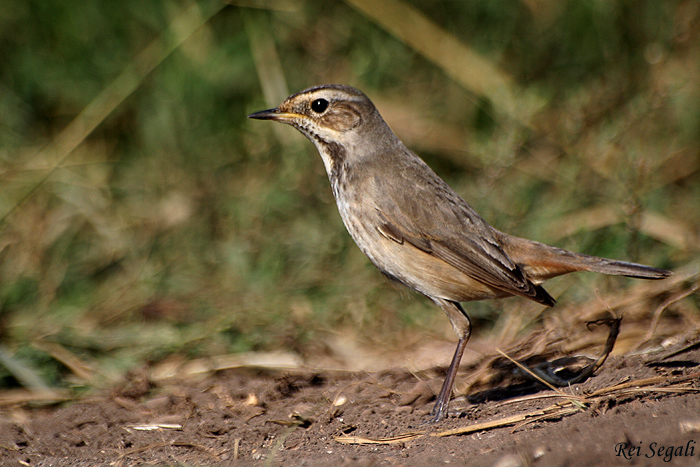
(248,417)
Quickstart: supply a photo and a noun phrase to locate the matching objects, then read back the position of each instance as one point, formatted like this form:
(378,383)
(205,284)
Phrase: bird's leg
(462,326)
(443,399)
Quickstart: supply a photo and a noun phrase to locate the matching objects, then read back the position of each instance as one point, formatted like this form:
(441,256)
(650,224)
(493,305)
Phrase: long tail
(621,268)
(542,262)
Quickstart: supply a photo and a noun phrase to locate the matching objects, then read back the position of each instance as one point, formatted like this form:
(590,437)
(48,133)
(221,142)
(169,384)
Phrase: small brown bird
(414,227)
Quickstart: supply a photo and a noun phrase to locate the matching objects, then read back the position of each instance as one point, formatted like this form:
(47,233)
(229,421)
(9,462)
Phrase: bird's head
(340,120)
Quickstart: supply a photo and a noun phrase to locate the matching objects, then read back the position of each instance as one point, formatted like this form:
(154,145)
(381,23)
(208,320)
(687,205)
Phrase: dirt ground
(262,417)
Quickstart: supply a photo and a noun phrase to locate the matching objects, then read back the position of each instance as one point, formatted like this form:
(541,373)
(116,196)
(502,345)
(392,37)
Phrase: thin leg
(462,326)
(443,399)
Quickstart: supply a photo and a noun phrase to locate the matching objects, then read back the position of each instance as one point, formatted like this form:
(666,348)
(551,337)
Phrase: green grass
(177,226)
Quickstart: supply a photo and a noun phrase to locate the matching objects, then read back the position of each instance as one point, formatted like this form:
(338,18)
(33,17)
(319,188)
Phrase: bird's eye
(319,105)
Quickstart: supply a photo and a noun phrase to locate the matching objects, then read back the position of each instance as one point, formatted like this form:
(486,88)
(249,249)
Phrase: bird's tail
(621,268)
(542,262)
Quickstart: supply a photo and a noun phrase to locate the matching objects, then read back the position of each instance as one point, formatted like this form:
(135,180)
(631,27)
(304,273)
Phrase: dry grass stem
(24,397)
(390,440)
(284,361)
(82,370)
(573,400)
(676,297)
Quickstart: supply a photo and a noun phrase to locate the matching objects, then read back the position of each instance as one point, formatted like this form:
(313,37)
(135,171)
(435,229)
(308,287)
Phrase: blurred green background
(143,216)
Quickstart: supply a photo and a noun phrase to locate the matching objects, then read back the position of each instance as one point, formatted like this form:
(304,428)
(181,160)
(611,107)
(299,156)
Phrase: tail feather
(542,262)
(622,268)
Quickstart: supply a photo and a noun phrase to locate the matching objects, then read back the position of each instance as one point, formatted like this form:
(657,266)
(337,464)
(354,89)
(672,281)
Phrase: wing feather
(436,220)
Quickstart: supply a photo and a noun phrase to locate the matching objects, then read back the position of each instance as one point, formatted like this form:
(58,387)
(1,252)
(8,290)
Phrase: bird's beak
(273,114)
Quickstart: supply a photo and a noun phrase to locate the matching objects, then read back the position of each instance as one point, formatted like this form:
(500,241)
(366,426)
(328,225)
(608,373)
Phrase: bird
(414,227)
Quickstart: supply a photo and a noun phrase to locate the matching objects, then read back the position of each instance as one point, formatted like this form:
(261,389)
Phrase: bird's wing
(429,215)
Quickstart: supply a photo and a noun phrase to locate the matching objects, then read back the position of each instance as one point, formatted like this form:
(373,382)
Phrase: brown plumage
(414,227)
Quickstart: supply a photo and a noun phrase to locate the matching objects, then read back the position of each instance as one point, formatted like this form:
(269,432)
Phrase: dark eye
(319,105)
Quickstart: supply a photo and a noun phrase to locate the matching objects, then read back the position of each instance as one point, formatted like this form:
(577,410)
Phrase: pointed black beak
(276,115)
(269,114)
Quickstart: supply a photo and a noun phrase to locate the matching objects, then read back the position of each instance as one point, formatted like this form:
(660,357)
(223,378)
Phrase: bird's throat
(334,159)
